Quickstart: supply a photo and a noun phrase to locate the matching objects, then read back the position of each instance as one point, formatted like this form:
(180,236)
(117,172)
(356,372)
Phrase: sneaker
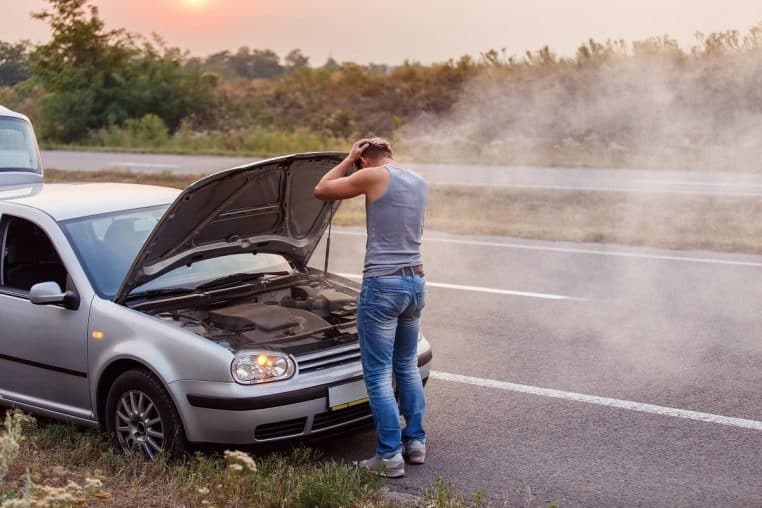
(415,452)
(393,467)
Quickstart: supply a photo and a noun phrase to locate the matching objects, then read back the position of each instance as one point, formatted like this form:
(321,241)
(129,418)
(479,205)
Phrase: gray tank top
(395,224)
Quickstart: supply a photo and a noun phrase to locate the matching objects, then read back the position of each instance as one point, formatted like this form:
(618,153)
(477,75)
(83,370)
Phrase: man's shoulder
(409,172)
(376,172)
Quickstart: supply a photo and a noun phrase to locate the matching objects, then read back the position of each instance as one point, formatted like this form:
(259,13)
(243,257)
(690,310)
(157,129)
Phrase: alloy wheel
(139,427)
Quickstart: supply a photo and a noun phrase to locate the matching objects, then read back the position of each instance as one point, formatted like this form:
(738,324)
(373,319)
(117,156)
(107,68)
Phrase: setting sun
(195,4)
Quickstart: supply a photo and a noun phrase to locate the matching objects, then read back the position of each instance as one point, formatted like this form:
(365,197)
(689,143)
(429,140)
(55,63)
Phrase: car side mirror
(49,293)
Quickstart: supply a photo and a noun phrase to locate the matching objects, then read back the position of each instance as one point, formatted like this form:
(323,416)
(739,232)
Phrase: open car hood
(267,206)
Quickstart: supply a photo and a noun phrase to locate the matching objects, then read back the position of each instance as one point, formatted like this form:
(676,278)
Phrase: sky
(390,31)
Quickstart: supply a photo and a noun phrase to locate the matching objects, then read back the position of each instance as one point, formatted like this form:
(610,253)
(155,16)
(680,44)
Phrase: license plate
(346,395)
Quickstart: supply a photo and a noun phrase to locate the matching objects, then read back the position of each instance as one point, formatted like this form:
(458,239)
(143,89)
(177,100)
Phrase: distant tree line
(253,63)
(96,86)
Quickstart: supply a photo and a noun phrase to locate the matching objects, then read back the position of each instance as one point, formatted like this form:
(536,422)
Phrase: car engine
(312,315)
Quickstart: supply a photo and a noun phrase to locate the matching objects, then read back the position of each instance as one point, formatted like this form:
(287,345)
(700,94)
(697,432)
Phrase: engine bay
(310,315)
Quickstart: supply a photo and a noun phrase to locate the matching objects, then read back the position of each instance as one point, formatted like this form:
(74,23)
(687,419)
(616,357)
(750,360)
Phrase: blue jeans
(388,321)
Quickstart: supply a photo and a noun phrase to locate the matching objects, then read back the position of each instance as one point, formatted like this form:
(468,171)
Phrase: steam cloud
(648,105)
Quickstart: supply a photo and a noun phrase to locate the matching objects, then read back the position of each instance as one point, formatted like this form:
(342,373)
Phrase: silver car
(168,318)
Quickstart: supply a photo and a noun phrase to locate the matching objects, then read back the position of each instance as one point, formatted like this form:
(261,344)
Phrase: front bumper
(227,413)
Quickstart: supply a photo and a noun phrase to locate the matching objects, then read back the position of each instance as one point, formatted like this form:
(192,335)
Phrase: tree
(14,62)
(219,63)
(80,67)
(96,77)
(331,64)
(257,63)
(296,60)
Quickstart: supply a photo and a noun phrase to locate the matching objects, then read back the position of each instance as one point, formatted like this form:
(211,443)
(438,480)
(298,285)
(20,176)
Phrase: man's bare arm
(336,185)
(361,182)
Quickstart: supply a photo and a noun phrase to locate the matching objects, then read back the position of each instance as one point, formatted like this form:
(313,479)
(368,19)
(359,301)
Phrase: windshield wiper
(150,293)
(236,278)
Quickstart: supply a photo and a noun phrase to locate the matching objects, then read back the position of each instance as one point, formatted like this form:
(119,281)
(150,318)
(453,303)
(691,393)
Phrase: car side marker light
(97,335)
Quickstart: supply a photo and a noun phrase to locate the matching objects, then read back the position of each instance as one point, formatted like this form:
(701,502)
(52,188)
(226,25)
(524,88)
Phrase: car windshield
(18,148)
(108,244)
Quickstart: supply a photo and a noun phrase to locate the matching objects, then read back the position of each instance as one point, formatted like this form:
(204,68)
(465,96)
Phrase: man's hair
(377,148)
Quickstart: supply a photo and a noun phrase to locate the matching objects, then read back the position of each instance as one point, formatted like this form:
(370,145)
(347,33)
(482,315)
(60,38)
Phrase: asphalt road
(586,375)
(583,375)
(625,180)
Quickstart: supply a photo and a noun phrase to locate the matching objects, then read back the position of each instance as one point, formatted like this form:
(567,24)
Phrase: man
(392,296)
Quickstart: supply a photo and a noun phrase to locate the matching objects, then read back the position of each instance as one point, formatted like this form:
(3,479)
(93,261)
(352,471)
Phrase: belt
(409,270)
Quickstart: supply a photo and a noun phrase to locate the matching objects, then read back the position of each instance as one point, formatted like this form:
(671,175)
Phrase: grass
(677,222)
(60,461)
(166,178)
(695,157)
(45,464)
(150,135)
(153,150)
(670,221)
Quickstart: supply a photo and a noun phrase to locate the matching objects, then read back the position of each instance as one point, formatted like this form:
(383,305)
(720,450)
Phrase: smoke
(651,104)
(650,330)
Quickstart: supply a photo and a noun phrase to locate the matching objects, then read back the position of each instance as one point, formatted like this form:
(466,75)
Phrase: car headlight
(250,368)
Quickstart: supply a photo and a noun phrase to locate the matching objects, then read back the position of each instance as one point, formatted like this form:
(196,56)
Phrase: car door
(43,348)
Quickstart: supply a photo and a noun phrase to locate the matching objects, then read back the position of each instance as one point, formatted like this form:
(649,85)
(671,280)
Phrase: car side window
(28,256)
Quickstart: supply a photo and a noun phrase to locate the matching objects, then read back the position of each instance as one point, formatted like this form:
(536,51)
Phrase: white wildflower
(10,440)
(92,486)
(240,458)
(15,503)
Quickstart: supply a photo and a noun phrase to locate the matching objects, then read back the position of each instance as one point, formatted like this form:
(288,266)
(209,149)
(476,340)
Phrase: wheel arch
(112,371)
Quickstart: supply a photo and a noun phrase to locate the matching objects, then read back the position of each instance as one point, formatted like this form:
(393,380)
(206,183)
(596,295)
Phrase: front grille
(341,416)
(285,428)
(328,359)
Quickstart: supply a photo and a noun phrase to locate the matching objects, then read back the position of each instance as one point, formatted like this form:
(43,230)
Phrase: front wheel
(142,418)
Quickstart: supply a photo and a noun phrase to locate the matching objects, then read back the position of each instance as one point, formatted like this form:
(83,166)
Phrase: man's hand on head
(357,149)
(341,183)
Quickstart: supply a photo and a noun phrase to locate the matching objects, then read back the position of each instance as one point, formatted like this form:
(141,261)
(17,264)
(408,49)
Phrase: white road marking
(479,289)
(144,164)
(571,250)
(601,401)
(689,182)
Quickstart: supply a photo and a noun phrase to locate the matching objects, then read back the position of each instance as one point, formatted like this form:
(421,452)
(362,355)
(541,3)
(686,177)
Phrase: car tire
(141,417)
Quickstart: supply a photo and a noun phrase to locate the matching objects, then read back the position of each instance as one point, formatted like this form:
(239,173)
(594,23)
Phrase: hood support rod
(328,242)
